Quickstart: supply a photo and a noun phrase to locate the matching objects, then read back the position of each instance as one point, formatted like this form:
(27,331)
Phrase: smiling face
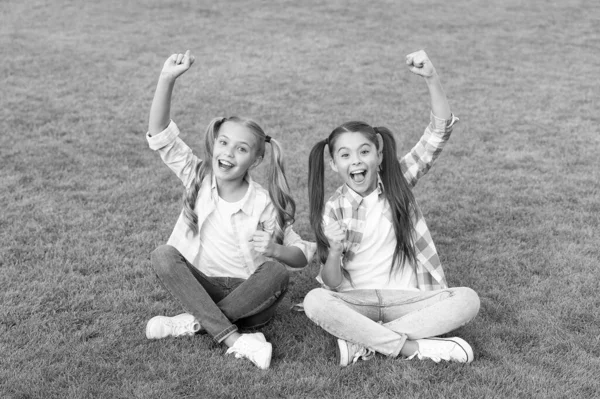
(356,159)
(235,151)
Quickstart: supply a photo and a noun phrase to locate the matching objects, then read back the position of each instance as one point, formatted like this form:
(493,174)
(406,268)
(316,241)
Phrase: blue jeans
(221,304)
(382,320)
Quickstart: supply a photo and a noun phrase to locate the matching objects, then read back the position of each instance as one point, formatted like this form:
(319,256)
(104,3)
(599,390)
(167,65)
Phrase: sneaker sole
(267,364)
(342,347)
(148,328)
(157,319)
(463,345)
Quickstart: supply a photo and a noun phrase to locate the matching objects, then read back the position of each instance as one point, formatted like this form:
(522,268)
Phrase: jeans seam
(452,294)
(380,306)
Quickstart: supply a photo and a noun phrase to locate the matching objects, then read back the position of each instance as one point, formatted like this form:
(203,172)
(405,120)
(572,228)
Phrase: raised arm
(422,156)
(160,111)
(419,64)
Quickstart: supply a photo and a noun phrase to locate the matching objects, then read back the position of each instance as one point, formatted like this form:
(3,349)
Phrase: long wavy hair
(396,190)
(278,187)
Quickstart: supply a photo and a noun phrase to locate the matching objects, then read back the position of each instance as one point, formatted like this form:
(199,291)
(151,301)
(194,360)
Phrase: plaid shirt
(257,209)
(346,206)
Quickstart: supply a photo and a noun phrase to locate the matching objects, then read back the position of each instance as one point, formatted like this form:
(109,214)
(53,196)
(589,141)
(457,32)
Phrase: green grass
(512,202)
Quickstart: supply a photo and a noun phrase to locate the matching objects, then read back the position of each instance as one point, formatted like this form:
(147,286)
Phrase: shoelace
(238,350)
(364,354)
(182,327)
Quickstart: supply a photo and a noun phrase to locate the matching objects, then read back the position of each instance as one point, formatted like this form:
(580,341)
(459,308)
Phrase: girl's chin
(362,189)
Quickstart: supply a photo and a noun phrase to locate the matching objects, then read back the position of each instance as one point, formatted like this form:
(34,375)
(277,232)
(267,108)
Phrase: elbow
(299,262)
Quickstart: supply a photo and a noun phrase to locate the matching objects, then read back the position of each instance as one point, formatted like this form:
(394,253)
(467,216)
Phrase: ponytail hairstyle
(396,190)
(400,197)
(278,187)
(203,169)
(316,193)
(279,190)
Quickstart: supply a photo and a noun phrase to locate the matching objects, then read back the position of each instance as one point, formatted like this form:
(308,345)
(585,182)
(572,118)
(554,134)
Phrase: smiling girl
(383,287)
(223,261)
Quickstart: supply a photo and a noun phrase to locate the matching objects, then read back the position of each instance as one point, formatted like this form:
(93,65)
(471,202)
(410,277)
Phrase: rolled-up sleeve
(175,153)
(422,156)
(163,138)
(291,238)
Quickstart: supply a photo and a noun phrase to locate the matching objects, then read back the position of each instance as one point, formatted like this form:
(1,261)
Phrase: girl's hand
(419,64)
(263,243)
(336,235)
(177,64)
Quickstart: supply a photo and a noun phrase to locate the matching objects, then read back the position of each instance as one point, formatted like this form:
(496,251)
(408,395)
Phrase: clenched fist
(419,64)
(336,235)
(177,64)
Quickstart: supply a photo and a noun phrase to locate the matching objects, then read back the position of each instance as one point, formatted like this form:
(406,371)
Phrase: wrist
(336,250)
(276,252)
(432,79)
(166,78)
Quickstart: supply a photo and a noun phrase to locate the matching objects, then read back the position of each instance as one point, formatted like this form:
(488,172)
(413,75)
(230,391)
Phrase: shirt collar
(246,204)
(356,199)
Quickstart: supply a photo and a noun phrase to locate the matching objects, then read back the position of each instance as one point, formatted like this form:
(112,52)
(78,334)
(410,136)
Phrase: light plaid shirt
(256,210)
(345,205)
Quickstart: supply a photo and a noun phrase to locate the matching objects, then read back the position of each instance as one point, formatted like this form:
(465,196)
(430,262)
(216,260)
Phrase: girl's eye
(364,152)
(222,142)
(244,150)
(344,156)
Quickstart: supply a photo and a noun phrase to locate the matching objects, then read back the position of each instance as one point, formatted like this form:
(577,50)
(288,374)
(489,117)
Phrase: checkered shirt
(345,205)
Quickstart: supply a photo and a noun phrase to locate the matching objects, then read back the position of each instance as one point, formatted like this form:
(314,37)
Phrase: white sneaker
(253,347)
(348,352)
(161,326)
(450,349)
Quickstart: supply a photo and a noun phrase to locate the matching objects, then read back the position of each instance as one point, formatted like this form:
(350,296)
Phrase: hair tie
(267,139)
(327,141)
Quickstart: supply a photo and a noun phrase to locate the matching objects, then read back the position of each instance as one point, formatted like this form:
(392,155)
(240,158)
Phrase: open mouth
(225,165)
(358,176)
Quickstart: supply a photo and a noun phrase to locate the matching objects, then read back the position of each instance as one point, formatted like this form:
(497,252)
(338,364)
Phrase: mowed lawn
(513,201)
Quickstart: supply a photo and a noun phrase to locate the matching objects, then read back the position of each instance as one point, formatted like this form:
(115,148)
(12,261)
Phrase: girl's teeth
(225,165)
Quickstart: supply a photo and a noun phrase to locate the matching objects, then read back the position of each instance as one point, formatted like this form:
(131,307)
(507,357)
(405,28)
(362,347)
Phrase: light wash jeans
(382,320)
(221,304)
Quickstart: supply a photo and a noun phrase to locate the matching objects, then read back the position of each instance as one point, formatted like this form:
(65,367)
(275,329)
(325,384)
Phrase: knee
(278,272)
(469,301)
(313,302)
(161,258)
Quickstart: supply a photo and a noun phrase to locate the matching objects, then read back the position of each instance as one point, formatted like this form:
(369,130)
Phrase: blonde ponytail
(279,191)
(203,169)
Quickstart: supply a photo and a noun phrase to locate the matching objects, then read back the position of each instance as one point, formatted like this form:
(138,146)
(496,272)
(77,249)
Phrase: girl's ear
(380,151)
(333,165)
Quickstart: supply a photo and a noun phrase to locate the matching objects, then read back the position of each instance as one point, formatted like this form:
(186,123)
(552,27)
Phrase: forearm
(331,273)
(160,111)
(439,102)
(291,256)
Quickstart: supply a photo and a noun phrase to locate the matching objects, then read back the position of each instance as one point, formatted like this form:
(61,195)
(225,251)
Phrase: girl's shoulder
(257,187)
(258,195)
(336,204)
(337,196)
